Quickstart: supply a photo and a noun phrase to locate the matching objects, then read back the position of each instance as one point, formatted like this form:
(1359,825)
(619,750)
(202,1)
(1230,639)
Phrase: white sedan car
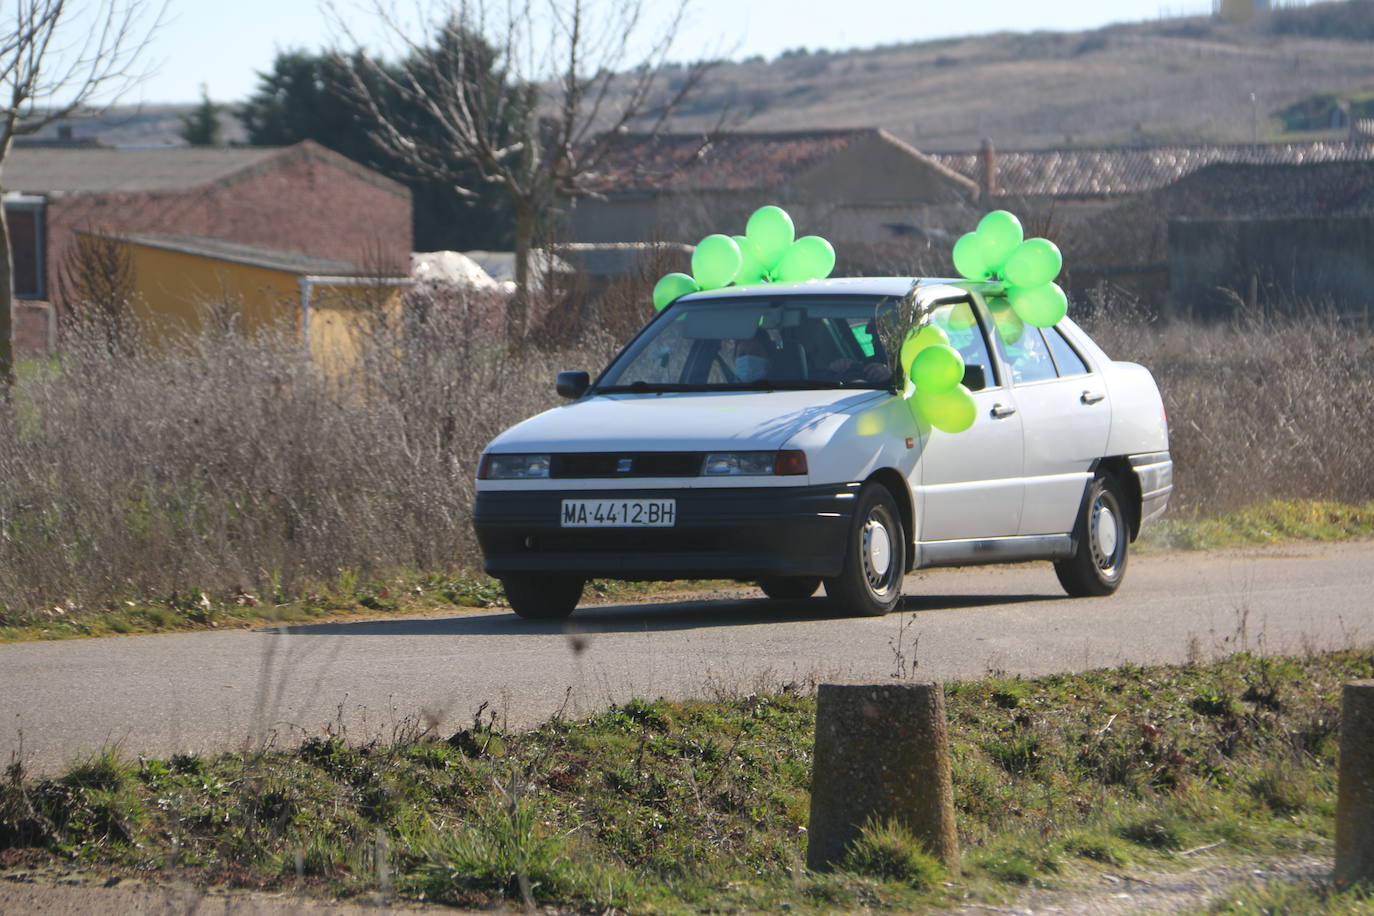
(758,434)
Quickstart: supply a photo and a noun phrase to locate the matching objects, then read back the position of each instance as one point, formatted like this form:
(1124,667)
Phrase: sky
(223,45)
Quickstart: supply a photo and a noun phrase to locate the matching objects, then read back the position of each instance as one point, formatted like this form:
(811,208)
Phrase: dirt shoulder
(1101,894)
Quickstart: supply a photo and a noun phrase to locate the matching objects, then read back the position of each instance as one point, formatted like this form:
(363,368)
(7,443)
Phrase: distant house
(302,201)
(1110,208)
(1093,179)
(856,185)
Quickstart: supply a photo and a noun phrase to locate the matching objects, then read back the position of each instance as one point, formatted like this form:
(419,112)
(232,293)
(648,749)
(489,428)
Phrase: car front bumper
(720,532)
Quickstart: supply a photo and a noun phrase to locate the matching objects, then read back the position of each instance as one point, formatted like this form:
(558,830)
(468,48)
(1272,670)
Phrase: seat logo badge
(624,465)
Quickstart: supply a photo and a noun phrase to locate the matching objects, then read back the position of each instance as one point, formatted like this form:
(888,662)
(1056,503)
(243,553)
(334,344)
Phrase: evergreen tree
(301,99)
(201,126)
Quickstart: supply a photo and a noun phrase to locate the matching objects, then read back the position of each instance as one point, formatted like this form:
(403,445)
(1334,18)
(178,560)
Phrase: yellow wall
(180,292)
(341,318)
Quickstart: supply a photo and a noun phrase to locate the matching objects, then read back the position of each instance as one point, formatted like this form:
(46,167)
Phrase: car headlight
(513,467)
(754,464)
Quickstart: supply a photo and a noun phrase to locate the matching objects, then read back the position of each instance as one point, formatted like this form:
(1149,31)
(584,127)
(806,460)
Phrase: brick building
(302,200)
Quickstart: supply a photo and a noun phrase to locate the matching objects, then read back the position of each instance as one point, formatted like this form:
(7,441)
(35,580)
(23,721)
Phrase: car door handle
(1001,411)
(1091,397)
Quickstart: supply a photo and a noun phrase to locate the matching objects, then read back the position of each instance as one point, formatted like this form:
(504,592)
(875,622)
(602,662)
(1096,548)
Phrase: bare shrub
(224,461)
(1260,408)
(96,284)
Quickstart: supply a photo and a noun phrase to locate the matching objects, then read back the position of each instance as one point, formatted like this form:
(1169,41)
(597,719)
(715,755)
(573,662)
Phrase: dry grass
(1260,409)
(228,464)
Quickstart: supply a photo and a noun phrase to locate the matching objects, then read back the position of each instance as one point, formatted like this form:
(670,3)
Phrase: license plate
(619,513)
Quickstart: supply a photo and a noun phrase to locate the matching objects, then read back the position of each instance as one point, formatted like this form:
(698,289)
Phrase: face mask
(750,368)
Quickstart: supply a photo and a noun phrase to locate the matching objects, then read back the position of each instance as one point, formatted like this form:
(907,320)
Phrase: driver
(752,357)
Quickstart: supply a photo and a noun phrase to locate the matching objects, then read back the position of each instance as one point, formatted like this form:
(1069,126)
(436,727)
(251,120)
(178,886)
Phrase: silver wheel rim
(877,553)
(1104,536)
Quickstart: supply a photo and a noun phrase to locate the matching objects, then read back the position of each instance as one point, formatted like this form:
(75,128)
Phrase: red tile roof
(727,162)
(1121,171)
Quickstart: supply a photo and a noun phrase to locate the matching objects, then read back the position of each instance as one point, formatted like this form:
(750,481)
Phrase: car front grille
(622,464)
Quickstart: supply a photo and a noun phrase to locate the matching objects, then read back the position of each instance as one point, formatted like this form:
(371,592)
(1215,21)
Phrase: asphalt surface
(384,678)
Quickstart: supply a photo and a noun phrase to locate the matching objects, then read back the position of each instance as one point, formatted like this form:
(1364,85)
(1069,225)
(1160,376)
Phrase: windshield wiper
(642,387)
(764,384)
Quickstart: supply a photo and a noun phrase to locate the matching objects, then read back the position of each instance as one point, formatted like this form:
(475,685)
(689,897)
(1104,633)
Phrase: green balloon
(1042,306)
(751,269)
(1002,232)
(1035,262)
(937,368)
(1010,326)
(951,411)
(716,261)
(958,317)
(928,336)
(771,229)
(671,287)
(810,258)
(971,257)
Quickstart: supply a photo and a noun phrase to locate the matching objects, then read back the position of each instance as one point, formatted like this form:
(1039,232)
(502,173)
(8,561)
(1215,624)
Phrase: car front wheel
(875,560)
(1101,537)
(542,597)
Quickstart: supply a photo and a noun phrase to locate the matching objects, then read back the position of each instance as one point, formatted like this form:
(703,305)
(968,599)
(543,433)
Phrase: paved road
(203,691)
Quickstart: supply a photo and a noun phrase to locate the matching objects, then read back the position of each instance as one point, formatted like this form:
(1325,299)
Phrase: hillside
(1174,80)
(1183,80)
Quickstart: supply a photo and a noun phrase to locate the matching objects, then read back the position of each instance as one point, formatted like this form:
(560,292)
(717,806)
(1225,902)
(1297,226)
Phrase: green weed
(659,806)
(888,851)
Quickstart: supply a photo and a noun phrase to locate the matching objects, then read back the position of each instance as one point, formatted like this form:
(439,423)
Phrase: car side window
(957,320)
(1025,352)
(1066,358)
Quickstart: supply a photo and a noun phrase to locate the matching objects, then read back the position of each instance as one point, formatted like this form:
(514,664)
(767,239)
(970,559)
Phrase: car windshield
(756,343)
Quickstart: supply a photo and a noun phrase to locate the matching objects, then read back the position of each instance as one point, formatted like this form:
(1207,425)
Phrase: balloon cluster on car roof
(996,251)
(768,252)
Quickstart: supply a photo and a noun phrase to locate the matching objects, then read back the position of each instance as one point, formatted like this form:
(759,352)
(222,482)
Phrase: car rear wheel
(543,597)
(1101,538)
(789,588)
(875,559)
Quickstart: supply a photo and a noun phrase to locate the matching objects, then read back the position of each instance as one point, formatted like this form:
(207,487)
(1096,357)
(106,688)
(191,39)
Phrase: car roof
(877,286)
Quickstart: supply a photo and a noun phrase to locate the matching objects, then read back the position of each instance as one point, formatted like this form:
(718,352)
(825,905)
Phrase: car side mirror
(975,379)
(573,384)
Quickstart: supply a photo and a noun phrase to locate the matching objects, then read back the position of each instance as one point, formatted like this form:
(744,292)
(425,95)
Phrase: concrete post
(882,752)
(1355,796)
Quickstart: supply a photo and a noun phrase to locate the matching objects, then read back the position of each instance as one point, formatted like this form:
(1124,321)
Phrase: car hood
(683,421)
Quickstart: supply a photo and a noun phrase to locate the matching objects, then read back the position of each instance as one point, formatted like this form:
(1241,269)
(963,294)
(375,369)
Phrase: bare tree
(58,59)
(535,98)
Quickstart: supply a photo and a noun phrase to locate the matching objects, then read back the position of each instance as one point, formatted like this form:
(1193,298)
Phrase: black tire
(1100,536)
(543,597)
(875,557)
(789,588)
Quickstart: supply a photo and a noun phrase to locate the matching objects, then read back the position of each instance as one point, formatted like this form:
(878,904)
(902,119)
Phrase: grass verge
(703,806)
(347,597)
(1267,523)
